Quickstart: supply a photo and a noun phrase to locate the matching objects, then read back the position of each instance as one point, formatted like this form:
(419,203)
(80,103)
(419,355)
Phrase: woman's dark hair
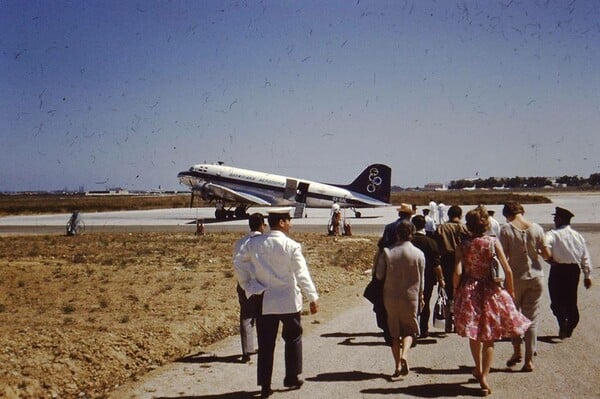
(405,230)
(512,208)
(419,222)
(454,211)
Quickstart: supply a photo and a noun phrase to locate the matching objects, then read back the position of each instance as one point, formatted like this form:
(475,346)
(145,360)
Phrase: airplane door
(290,189)
(302,192)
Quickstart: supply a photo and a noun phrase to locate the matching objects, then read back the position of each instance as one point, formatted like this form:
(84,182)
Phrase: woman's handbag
(440,309)
(496,269)
(373,291)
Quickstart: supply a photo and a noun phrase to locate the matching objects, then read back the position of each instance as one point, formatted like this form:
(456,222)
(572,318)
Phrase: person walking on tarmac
(280,274)
(570,257)
(448,236)
(249,307)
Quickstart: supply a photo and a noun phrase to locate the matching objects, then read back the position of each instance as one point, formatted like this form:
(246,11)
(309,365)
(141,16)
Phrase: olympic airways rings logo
(374,180)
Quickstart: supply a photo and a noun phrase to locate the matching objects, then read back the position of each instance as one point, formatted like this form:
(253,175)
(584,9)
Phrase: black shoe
(568,332)
(424,335)
(266,391)
(292,382)
(245,358)
(562,334)
(404,365)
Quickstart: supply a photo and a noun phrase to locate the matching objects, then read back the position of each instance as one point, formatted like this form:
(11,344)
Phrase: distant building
(435,186)
(112,191)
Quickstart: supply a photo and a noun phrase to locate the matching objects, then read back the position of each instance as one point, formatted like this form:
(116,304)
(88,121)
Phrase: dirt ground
(81,315)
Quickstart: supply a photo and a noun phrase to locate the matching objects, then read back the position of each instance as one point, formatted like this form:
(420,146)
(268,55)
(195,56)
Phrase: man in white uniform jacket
(249,306)
(280,272)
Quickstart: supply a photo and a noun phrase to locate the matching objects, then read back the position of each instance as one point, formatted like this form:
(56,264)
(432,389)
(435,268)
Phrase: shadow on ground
(203,357)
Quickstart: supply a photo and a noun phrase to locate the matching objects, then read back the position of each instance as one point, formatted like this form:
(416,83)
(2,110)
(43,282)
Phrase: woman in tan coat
(402,267)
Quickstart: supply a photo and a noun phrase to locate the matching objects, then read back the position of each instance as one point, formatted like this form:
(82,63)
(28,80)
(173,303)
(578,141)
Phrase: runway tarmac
(585,206)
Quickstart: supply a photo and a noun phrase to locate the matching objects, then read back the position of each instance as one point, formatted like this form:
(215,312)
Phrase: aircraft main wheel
(220,214)
(240,213)
(358,214)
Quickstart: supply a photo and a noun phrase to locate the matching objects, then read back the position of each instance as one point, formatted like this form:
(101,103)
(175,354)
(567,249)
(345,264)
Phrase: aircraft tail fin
(375,181)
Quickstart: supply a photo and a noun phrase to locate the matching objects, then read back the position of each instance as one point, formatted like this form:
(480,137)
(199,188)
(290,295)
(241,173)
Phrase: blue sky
(128,93)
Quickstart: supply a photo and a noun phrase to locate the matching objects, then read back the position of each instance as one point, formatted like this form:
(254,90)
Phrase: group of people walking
(459,257)
(410,260)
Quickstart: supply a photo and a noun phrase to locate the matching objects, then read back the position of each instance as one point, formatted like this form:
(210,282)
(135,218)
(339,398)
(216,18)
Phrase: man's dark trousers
(430,280)
(267,327)
(562,287)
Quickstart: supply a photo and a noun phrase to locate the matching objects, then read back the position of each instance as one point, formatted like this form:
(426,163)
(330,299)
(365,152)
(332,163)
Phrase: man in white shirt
(494,229)
(442,216)
(279,270)
(429,223)
(569,257)
(433,211)
(249,307)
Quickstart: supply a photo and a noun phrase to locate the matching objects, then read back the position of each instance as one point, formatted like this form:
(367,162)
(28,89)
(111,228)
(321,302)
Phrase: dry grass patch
(80,314)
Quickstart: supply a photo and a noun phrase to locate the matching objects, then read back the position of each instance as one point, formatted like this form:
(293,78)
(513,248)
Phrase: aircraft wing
(366,201)
(228,194)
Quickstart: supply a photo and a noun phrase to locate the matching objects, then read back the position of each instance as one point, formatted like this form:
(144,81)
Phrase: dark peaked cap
(563,213)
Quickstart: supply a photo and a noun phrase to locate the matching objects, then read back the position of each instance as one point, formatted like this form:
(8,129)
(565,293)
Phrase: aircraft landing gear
(240,212)
(220,214)
(357,214)
(237,213)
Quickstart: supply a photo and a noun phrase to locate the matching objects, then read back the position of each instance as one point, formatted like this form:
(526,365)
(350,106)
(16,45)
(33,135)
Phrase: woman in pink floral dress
(483,311)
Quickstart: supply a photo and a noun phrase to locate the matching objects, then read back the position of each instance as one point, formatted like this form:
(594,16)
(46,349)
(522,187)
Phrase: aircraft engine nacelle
(205,194)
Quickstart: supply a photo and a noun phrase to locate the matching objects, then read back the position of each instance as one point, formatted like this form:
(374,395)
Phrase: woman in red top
(483,310)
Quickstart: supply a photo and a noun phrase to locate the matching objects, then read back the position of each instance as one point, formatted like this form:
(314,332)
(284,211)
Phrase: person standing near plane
(335,221)
(441,208)
(570,256)
(249,306)
(433,210)
(280,269)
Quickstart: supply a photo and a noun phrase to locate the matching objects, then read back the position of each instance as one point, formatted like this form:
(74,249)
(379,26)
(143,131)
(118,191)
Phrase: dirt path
(344,358)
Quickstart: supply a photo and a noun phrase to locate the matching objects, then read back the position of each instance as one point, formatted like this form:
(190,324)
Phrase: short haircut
(405,230)
(478,220)
(274,218)
(512,208)
(425,211)
(256,221)
(419,222)
(454,211)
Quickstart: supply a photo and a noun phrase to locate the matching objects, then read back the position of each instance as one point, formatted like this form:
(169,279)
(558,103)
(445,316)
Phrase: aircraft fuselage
(274,189)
